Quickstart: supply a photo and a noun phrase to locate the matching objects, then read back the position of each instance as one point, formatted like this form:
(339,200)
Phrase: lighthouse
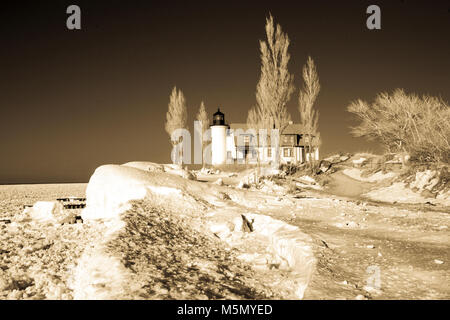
(219,139)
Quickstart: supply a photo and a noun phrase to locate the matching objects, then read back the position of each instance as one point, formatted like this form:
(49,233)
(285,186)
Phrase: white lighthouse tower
(219,139)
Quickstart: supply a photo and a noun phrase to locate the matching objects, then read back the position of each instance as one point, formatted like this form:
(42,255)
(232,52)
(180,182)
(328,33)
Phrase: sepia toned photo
(246,152)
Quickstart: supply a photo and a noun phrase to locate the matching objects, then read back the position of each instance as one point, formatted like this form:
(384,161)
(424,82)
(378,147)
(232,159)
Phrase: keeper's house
(238,143)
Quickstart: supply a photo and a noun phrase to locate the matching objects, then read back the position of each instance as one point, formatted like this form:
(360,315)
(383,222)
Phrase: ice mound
(130,201)
(290,245)
(47,211)
(285,247)
(112,187)
(174,169)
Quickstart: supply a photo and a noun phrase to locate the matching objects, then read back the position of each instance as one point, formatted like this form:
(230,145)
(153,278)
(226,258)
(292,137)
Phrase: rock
(360,297)
(69,219)
(438,261)
(324,166)
(247,226)
(188,175)
(243,185)
(224,196)
(370,246)
(219,182)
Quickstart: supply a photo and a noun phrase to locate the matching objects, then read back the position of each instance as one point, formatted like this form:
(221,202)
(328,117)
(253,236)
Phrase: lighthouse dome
(218,118)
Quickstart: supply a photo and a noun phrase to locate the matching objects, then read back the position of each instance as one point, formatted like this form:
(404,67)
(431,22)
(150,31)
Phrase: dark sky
(73,100)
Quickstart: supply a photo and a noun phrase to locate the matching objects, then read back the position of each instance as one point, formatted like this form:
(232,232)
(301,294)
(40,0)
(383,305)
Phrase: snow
(307,179)
(283,244)
(99,275)
(359,161)
(146,166)
(242,185)
(179,171)
(268,186)
(404,193)
(307,182)
(376,177)
(112,189)
(425,180)
(133,206)
(269,171)
(397,192)
(150,234)
(155,167)
(337,158)
(45,211)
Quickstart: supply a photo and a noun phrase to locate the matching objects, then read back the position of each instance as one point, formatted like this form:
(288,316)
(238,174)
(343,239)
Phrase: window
(288,139)
(229,155)
(269,152)
(287,152)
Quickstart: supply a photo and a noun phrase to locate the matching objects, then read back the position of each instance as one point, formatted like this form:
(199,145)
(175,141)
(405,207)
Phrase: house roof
(291,129)
(242,126)
(294,128)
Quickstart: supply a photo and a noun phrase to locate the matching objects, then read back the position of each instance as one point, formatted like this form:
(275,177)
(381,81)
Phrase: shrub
(405,122)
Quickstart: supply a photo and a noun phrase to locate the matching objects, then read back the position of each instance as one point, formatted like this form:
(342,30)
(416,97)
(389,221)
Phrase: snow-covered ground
(112,188)
(153,232)
(355,173)
(402,193)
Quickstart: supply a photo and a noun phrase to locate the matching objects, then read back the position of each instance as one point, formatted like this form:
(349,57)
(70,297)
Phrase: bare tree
(202,117)
(405,122)
(309,117)
(254,123)
(253,119)
(176,115)
(275,85)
